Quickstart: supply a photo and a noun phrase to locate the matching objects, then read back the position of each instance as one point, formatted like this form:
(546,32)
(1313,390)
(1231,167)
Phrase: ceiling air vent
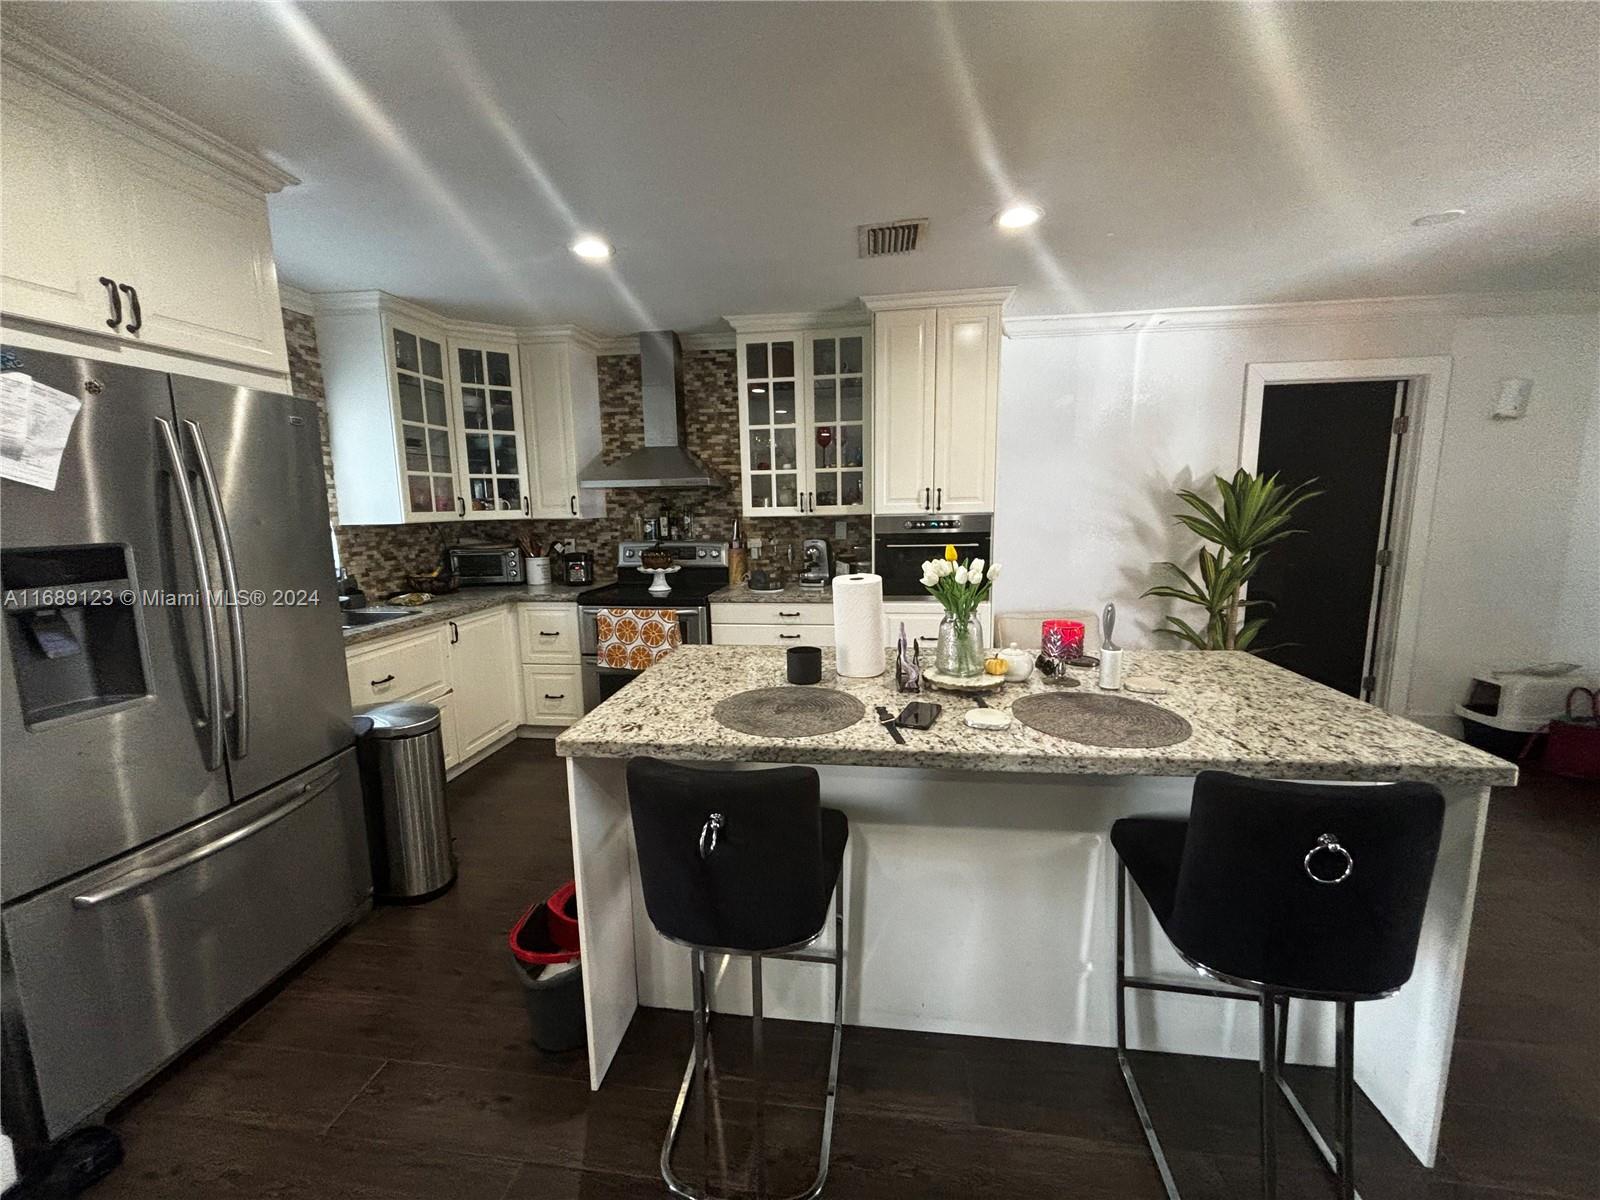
(891,237)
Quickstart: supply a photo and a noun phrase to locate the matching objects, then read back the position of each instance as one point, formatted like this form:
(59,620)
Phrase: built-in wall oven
(703,569)
(900,546)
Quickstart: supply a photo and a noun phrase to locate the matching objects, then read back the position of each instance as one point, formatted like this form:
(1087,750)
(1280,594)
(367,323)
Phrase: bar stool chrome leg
(1269,1098)
(699,1063)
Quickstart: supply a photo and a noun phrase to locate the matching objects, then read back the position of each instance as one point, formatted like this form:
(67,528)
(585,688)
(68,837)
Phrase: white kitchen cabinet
(553,694)
(434,420)
(935,403)
(484,685)
(561,401)
(903,410)
(772,634)
(449,735)
(921,619)
(491,446)
(125,223)
(805,418)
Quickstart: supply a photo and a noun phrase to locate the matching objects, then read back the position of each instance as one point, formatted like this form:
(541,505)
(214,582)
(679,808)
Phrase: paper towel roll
(858,625)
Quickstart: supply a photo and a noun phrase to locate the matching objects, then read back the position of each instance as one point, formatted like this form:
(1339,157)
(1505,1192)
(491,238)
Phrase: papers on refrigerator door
(35,424)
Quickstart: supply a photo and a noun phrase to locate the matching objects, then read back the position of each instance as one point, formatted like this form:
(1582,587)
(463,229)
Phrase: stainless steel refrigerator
(180,809)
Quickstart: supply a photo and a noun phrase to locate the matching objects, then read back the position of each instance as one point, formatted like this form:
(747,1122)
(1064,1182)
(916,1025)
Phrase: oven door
(898,558)
(601,683)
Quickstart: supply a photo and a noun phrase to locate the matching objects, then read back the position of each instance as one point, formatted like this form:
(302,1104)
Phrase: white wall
(1098,428)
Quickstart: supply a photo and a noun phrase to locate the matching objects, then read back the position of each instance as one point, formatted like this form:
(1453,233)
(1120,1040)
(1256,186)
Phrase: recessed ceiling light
(1019,216)
(592,248)
(1440,218)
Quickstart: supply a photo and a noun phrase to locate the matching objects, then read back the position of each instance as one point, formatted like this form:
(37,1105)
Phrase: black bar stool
(740,862)
(1283,891)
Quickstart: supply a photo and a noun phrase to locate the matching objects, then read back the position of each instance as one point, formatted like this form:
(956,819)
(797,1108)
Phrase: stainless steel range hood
(663,463)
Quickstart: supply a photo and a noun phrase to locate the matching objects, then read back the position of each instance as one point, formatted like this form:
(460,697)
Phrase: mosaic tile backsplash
(381,556)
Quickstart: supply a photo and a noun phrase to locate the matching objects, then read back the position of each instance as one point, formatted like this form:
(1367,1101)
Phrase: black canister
(805,664)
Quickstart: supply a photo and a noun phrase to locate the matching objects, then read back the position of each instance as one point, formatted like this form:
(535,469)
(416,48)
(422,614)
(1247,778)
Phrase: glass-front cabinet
(421,389)
(803,407)
(458,410)
(488,405)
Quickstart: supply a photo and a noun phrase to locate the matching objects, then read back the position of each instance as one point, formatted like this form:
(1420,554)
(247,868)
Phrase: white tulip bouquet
(959,587)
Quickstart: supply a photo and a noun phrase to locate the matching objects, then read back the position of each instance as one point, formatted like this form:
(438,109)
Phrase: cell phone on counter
(919,714)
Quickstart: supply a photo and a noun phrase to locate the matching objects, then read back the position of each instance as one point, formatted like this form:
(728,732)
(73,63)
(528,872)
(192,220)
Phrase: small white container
(1110,669)
(536,571)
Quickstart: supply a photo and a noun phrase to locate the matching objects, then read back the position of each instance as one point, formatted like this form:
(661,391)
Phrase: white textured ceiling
(1184,154)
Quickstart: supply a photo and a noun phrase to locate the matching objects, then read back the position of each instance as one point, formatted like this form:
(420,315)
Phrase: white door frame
(1417,480)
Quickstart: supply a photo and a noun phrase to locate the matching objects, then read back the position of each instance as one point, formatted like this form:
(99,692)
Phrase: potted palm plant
(1255,512)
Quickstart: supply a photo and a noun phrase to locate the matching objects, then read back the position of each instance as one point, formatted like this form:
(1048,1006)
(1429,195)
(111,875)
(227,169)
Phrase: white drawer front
(399,669)
(772,614)
(554,695)
(772,635)
(548,634)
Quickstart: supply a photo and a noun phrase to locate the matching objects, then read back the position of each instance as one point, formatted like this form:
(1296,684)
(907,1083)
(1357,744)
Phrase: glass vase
(960,650)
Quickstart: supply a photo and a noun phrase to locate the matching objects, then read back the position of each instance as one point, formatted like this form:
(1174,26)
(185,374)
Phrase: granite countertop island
(459,604)
(1248,715)
(980,883)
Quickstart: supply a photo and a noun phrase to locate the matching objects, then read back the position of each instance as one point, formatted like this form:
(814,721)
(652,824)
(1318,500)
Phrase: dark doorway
(1326,584)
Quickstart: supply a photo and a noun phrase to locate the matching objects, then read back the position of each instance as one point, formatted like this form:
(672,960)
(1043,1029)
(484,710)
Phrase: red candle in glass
(1062,639)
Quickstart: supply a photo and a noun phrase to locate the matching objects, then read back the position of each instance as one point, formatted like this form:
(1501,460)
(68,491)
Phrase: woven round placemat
(1095,719)
(789,711)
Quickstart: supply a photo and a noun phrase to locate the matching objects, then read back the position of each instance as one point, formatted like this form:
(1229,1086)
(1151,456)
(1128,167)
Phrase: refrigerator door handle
(141,876)
(230,587)
(208,623)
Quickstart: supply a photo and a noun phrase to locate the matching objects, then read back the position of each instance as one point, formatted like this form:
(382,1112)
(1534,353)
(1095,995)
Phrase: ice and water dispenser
(72,629)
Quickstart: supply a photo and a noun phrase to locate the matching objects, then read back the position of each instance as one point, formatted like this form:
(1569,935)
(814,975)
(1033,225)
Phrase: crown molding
(98,93)
(945,299)
(1309,312)
(296,299)
(787,322)
(628,343)
(540,335)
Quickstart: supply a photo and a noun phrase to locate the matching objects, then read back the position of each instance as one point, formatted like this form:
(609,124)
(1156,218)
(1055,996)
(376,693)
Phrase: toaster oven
(480,565)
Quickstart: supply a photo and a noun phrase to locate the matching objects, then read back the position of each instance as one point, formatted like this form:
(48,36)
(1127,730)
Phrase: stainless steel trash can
(408,825)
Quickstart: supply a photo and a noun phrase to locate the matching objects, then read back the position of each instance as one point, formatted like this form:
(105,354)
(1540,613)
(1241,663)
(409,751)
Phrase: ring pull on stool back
(1283,891)
(746,863)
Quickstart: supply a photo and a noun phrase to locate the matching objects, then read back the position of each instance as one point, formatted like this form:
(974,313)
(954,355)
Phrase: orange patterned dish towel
(634,638)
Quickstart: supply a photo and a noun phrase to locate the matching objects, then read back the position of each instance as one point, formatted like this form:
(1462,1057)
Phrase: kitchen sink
(375,615)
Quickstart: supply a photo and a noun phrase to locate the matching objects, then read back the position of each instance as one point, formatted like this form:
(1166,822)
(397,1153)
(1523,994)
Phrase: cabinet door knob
(116,301)
(133,300)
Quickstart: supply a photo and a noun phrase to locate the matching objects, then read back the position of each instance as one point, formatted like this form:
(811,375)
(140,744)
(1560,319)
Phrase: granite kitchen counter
(1248,716)
(740,593)
(460,604)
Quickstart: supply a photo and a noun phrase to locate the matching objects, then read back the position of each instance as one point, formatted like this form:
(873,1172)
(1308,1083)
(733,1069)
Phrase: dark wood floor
(396,1065)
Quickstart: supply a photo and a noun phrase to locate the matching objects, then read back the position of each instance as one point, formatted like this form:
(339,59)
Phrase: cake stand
(659,586)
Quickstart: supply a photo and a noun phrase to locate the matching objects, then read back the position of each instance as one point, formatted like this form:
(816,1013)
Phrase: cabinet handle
(572,503)
(381,682)
(525,509)
(938,503)
(138,316)
(927,499)
(116,301)
(461,506)
(548,696)
(787,636)
(788,614)
(455,634)
(547,633)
